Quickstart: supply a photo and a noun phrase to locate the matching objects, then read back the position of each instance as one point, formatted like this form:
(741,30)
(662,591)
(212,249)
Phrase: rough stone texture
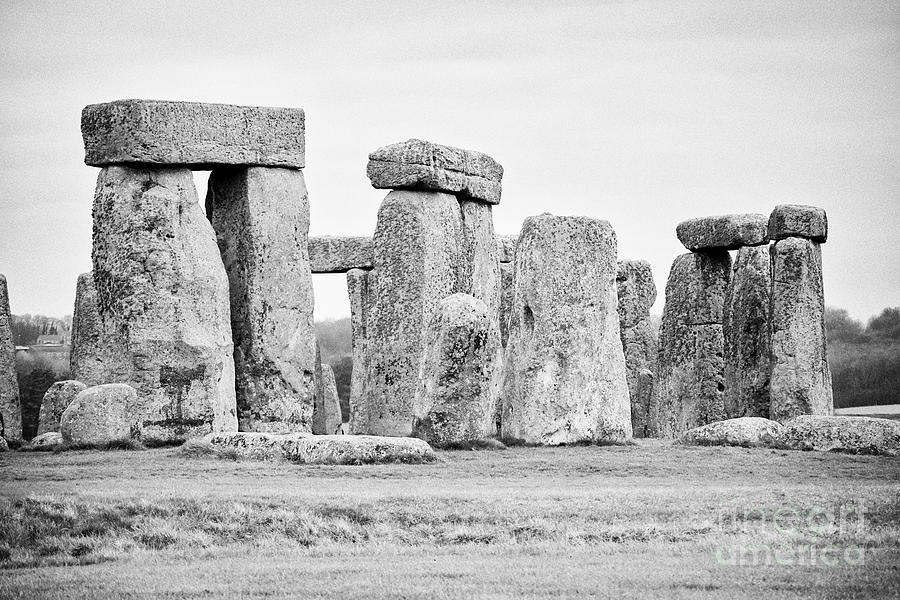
(261,219)
(797,220)
(325,449)
(690,377)
(506,247)
(636,293)
(56,400)
(339,254)
(10,409)
(565,369)
(725,232)
(162,297)
(95,357)
(327,414)
(102,414)
(856,435)
(193,134)
(46,441)
(507,287)
(745,326)
(360,307)
(418,258)
(4,447)
(421,165)
(800,380)
(457,399)
(743,431)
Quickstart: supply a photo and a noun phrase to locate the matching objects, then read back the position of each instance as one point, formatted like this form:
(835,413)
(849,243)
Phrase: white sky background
(642,113)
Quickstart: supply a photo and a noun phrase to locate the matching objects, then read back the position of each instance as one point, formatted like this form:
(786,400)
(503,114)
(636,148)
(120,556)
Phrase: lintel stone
(725,232)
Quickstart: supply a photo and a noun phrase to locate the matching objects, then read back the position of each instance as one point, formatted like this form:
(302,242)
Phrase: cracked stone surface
(361,300)
(10,408)
(636,293)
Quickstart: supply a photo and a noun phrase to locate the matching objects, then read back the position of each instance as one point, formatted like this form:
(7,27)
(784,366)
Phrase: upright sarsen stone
(418,258)
(636,294)
(800,381)
(162,295)
(360,307)
(55,401)
(690,378)
(565,370)
(10,408)
(261,219)
(507,272)
(745,328)
(97,355)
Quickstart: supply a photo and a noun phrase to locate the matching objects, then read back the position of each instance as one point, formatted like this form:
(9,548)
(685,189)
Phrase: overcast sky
(642,113)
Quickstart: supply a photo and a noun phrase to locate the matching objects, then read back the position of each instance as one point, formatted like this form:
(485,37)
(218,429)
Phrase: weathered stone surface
(339,254)
(418,257)
(565,369)
(636,293)
(56,400)
(96,356)
(855,435)
(506,247)
(457,399)
(420,165)
(690,377)
(162,297)
(797,220)
(192,134)
(10,409)
(507,287)
(360,306)
(102,414)
(745,327)
(261,219)
(800,380)
(46,441)
(327,414)
(742,431)
(325,449)
(725,232)
(4,447)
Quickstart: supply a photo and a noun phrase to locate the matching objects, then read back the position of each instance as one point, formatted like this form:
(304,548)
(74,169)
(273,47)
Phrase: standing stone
(329,423)
(418,255)
(456,401)
(800,382)
(690,378)
(636,294)
(10,409)
(507,283)
(565,369)
(97,355)
(162,295)
(360,307)
(745,328)
(57,399)
(261,219)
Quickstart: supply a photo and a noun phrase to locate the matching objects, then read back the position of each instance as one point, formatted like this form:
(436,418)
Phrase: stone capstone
(162,299)
(192,134)
(725,232)
(746,334)
(261,219)
(457,398)
(102,414)
(800,380)
(855,435)
(565,368)
(55,401)
(748,432)
(420,165)
(10,408)
(324,449)
(797,220)
(338,254)
(690,378)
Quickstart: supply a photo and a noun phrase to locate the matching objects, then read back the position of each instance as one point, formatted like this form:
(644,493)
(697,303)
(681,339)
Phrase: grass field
(650,520)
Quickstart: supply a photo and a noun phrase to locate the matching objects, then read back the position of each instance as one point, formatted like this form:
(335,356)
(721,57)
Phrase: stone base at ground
(46,441)
(100,415)
(744,431)
(854,435)
(56,400)
(324,449)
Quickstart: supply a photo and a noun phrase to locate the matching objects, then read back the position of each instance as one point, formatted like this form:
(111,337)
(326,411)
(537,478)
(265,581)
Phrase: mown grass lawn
(650,520)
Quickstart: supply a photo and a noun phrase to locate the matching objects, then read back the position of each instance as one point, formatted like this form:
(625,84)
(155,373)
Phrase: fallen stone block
(192,134)
(743,431)
(45,441)
(339,254)
(726,232)
(324,449)
(420,165)
(103,414)
(56,400)
(797,220)
(854,435)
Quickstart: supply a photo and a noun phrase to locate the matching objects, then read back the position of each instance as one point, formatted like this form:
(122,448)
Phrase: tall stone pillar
(361,300)
(261,219)
(800,380)
(636,294)
(565,370)
(506,246)
(10,408)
